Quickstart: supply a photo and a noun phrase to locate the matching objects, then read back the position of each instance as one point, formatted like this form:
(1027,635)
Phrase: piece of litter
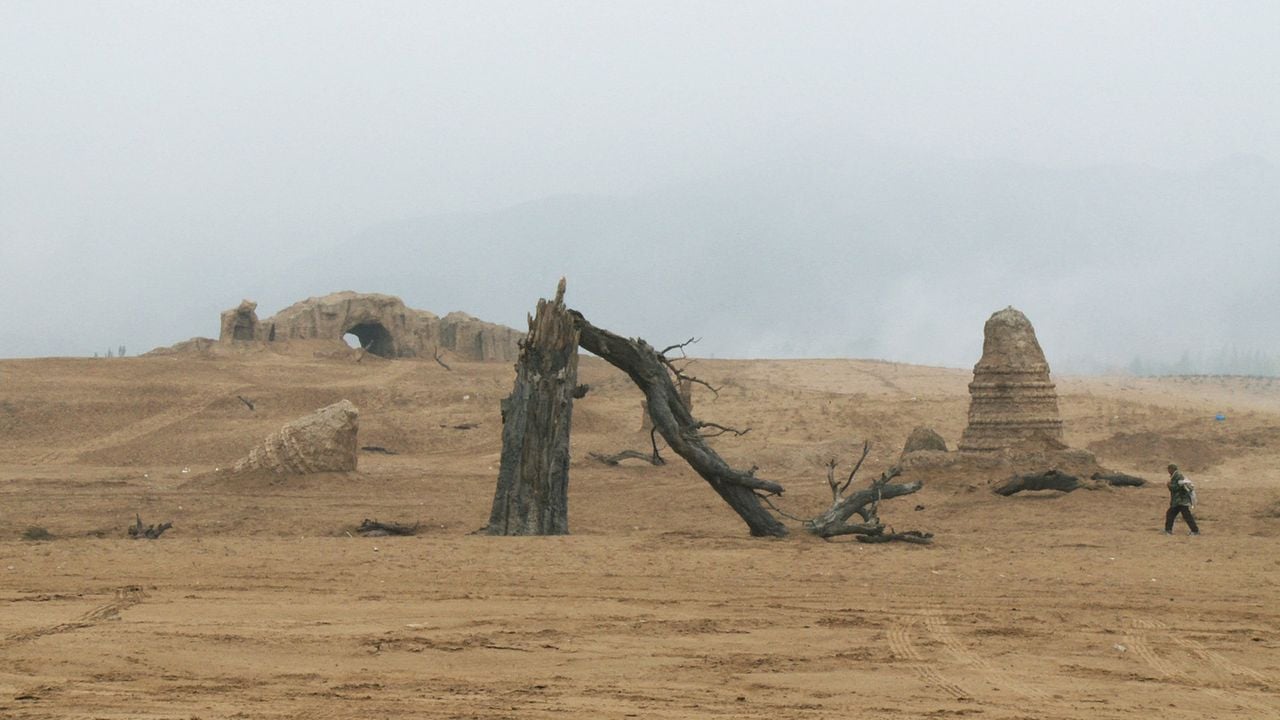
(1119,647)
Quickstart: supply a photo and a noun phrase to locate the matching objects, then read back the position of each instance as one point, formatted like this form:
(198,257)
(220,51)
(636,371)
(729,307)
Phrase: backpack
(1190,487)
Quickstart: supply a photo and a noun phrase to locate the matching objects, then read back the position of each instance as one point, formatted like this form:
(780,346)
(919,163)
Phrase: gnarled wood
(614,459)
(864,503)
(671,418)
(1118,479)
(1048,480)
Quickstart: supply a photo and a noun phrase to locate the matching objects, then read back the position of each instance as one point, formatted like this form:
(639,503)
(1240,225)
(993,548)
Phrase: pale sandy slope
(259,605)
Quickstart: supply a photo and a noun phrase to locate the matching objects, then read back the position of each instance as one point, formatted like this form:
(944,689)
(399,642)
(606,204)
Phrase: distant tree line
(1229,360)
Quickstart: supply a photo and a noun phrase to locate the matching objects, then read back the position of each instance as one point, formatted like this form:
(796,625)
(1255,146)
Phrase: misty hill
(868,254)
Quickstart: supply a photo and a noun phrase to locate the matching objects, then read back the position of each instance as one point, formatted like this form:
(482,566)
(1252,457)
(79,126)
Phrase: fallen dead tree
(138,531)
(864,503)
(373,528)
(1062,482)
(618,457)
(1118,479)
(652,372)
(531,494)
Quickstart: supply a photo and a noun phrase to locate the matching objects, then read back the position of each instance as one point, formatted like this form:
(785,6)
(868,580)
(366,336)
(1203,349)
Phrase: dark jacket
(1179,489)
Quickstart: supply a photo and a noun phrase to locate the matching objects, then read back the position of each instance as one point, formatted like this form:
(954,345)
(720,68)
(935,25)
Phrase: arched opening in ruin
(374,338)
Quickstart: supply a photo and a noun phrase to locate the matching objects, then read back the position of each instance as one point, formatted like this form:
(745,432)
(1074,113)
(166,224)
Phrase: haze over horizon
(828,179)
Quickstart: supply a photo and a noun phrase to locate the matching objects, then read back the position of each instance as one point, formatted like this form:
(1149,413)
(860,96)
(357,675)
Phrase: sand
(261,603)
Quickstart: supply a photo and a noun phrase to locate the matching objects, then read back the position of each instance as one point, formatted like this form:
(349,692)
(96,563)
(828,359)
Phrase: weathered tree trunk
(1058,480)
(684,388)
(1048,480)
(672,419)
(533,476)
(1119,479)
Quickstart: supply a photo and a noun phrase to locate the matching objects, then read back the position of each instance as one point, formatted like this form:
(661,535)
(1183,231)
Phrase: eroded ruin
(383,324)
(1011,399)
(324,441)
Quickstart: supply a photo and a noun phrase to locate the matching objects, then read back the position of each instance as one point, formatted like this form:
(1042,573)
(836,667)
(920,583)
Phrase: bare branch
(438,360)
(680,375)
(777,509)
(653,440)
(679,346)
(721,428)
(866,448)
(618,457)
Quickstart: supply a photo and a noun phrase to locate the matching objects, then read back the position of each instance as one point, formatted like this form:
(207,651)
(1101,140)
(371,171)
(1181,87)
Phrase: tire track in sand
(125,597)
(941,631)
(1216,659)
(899,636)
(1138,639)
(136,430)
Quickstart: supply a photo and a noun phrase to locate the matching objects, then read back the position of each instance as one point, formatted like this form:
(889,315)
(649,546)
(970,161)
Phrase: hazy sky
(161,160)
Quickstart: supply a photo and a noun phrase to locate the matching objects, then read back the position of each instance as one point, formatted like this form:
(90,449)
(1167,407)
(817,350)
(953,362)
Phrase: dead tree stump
(533,477)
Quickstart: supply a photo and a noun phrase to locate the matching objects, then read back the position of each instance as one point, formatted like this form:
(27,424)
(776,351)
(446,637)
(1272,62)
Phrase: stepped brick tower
(1011,399)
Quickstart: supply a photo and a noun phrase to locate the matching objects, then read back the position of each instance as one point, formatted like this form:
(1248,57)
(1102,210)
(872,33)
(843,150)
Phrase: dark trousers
(1172,514)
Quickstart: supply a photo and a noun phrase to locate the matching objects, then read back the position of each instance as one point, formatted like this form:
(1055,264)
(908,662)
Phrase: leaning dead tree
(653,374)
(531,496)
(533,475)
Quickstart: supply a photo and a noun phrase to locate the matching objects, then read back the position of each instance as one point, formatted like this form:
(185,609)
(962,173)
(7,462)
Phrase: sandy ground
(260,604)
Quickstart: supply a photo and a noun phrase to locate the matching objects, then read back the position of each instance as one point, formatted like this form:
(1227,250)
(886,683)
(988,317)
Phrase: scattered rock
(923,438)
(324,441)
(35,532)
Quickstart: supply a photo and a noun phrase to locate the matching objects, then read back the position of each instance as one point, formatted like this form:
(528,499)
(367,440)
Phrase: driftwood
(1062,482)
(1119,479)
(618,457)
(533,475)
(373,528)
(378,449)
(247,402)
(137,531)
(1048,480)
(652,373)
(909,536)
(864,503)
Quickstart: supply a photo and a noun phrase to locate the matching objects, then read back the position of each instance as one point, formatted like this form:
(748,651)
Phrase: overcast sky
(161,160)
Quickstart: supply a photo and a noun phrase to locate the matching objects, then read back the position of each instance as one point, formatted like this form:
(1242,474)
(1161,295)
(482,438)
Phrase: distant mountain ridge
(869,255)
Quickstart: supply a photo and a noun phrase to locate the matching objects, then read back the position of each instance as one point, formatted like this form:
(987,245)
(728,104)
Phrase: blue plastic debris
(1219,417)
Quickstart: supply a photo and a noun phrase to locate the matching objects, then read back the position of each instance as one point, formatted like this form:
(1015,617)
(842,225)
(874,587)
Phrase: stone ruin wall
(383,323)
(1011,399)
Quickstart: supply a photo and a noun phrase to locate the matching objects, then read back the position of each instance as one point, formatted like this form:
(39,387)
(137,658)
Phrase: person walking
(1182,497)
